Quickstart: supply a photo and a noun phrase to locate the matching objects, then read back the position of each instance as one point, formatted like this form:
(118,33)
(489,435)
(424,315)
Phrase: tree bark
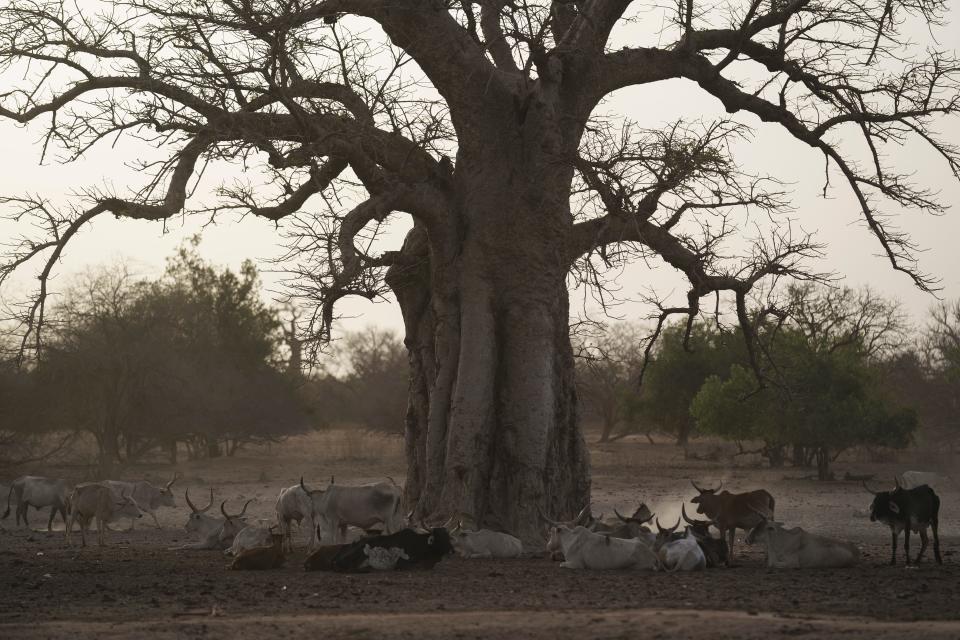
(492,420)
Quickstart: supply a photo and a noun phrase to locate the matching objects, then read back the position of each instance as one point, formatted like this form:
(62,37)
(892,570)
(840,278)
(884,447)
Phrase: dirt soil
(137,587)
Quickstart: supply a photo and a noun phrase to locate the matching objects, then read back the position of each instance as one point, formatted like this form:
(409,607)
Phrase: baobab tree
(481,120)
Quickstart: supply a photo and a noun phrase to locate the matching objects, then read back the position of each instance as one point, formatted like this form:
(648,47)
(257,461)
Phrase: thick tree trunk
(492,421)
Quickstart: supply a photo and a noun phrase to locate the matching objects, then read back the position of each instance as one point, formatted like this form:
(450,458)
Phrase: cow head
(700,528)
(166,494)
(126,507)
(198,522)
(439,541)
(232,524)
(642,515)
(760,532)
(706,501)
(884,508)
(665,535)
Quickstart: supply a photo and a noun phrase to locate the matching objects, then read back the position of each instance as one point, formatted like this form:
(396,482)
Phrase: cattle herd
(391,541)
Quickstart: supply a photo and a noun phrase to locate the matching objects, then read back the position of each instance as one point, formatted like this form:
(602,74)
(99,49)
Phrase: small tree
(827,403)
(680,364)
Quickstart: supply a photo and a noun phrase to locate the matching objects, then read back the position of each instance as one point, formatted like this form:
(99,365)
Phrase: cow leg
(906,543)
(53,512)
(936,540)
(893,536)
(101,525)
(153,514)
(84,523)
(731,535)
(923,545)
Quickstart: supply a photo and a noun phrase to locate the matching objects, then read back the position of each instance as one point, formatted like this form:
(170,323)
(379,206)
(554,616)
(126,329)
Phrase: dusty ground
(136,587)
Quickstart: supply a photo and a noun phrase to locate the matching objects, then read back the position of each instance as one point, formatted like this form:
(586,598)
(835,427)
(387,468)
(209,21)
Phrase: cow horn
(584,513)
(660,528)
(620,516)
(674,527)
(331,479)
(546,519)
(224,511)
(699,490)
(683,513)
(303,486)
(450,520)
(868,488)
(896,481)
(244,510)
(175,477)
(186,495)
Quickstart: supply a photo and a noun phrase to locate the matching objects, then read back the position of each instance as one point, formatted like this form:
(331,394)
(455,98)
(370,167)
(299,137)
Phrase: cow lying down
(798,549)
(406,549)
(584,549)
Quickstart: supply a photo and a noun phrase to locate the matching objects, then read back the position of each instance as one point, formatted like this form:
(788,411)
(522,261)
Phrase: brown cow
(322,558)
(261,558)
(732,511)
(95,500)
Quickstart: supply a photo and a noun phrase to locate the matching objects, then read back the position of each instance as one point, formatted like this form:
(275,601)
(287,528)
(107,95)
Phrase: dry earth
(137,587)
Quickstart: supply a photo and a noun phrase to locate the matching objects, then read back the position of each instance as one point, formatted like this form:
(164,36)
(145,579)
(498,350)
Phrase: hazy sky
(852,250)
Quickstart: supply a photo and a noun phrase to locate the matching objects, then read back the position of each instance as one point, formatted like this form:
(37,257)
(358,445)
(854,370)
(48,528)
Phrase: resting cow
(683,554)
(406,549)
(212,532)
(584,549)
(798,549)
(715,550)
(484,543)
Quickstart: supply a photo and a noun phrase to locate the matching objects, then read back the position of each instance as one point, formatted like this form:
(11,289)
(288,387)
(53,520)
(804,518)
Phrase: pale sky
(852,251)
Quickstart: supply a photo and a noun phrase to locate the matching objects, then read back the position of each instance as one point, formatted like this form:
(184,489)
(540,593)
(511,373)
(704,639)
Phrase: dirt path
(653,624)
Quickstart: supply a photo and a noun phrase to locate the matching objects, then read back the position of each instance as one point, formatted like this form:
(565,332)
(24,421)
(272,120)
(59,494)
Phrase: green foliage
(677,372)
(825,401)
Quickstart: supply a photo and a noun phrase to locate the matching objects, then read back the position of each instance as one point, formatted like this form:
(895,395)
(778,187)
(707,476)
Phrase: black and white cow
(908,510)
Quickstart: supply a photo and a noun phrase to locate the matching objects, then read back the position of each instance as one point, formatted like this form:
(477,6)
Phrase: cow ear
(894,507)
(430,539)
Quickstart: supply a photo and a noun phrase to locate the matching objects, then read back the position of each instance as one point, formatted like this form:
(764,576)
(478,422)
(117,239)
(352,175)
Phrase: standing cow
(336,507)
(294,505)
(38,492)
(97,501)
(149,497)
(732,511)
(908,510)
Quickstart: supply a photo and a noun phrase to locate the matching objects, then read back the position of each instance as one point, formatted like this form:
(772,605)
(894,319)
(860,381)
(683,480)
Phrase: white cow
(149,497)
(684,554)
(97,501)
(913,479)
(584,549)
(250,538)
(366,506)
(38,492)
(797,549)
(212,532)
(485,543)
(294,505)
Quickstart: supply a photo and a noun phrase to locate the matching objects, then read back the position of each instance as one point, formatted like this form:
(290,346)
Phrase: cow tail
(9,493)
